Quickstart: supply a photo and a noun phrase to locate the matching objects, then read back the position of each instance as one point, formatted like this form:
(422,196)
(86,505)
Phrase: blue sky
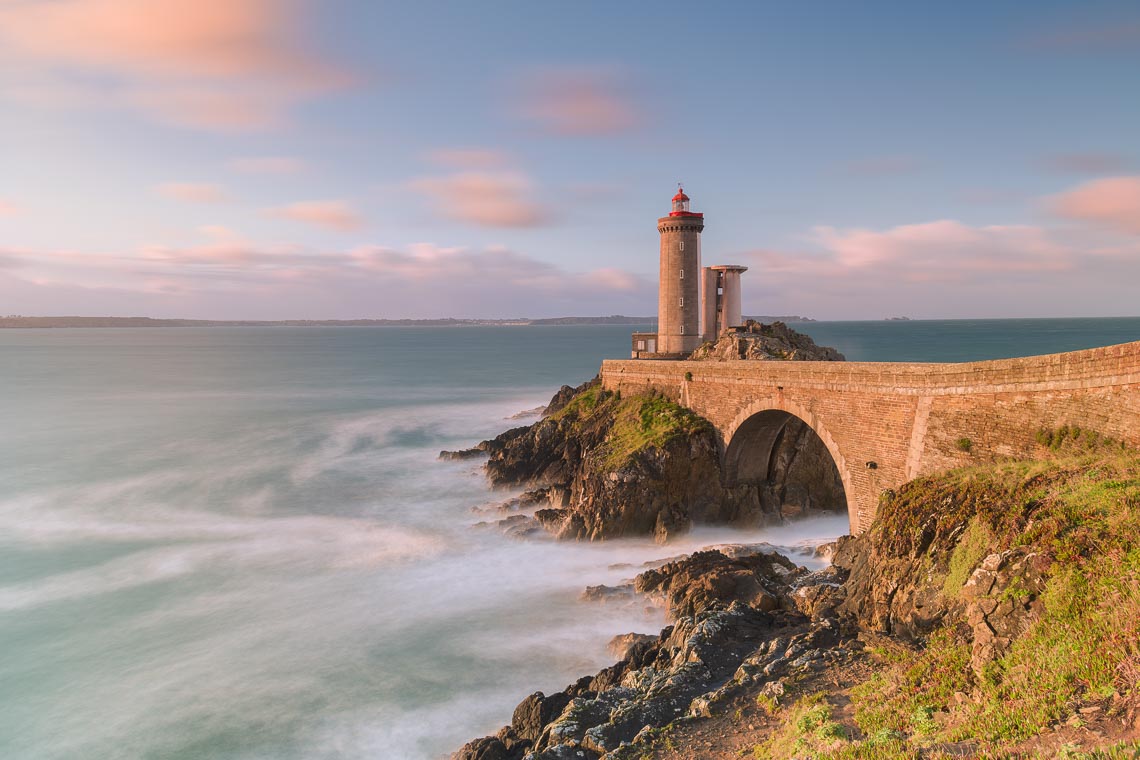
(273,159)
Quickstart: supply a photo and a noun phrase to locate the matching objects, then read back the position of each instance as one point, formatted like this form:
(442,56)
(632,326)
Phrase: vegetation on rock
(634,465)
(636,423)
(1079,650)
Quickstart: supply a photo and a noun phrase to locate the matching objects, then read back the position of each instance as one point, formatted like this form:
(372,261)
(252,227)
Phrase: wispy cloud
(1113,202)
(947,268)
(579,101)
(331,214)
(240,280)
(267,165)
(487,199)
(951,268)
(7,208)
(193,192)
(223,65)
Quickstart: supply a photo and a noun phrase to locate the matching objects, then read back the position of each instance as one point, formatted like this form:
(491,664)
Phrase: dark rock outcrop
(718,643)
(656,486)
(1002,599)
(472,453)
(711,580)
(759,342)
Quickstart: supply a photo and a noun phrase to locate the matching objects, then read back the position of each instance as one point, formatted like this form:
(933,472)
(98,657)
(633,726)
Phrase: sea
(240,542)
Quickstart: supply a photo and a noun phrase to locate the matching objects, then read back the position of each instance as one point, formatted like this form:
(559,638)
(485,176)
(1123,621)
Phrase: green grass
(633,424)
(809,730)
(643,422)
(904,697)
(1081,508)
(972,548)
(1122,751)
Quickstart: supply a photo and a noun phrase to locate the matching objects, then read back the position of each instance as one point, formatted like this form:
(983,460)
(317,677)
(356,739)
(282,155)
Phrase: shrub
(964,444)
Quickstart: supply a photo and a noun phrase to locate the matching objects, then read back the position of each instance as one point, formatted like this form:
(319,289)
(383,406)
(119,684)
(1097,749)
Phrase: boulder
(486,748)
(711,580)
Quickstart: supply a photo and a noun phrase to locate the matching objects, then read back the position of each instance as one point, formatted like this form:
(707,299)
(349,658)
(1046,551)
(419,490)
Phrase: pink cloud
(1113,202)
(193,192)
(589,101)
(945,268)
(219,108)
(467,158)
(488,199)
(228,65)
(943,249)
(332,214)
(7,208)
(267,165)
(239,280)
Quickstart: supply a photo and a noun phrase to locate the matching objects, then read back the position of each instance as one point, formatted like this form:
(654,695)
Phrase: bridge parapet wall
(888,422)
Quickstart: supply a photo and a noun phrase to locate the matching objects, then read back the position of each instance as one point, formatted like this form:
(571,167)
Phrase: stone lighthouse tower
(679,293)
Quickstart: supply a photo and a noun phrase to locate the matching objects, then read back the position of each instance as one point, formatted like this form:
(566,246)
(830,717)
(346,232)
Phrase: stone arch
(755,431)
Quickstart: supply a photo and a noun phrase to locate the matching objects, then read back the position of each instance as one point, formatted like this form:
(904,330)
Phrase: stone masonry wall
(886,422)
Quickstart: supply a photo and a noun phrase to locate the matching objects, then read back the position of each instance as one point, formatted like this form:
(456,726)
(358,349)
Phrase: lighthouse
(679,289)
(694,305)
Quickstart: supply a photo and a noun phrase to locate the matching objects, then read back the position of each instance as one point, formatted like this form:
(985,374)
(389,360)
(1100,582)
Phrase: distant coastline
(15,321)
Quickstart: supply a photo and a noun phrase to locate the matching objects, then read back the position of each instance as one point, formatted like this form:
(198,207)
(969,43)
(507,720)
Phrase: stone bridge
(886,422)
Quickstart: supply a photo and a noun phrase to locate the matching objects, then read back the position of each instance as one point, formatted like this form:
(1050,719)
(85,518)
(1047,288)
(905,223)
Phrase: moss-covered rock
(639,465)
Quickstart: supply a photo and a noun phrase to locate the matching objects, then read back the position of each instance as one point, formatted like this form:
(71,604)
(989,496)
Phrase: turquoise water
(238,542)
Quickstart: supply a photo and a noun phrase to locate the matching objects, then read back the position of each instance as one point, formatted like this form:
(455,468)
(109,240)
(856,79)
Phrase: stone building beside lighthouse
(694,305)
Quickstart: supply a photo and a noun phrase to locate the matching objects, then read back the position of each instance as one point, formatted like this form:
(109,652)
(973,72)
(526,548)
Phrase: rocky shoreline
(956,578)
(723,611)
(758,645)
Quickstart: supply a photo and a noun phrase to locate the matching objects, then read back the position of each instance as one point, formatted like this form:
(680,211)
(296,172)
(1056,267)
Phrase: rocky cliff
(604,466)
(993,611)
(617,467)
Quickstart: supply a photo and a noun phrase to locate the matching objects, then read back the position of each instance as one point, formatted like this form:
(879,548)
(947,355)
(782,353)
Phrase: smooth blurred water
(239,543)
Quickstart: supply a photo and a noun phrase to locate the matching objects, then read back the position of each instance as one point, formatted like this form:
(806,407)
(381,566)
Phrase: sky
(341,159)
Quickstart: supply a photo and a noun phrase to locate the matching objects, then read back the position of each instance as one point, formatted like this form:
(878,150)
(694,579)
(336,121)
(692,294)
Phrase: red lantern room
(681,204)
(680,200)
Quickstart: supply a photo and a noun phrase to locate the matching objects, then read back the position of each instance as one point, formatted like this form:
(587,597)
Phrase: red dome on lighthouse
(681,204)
